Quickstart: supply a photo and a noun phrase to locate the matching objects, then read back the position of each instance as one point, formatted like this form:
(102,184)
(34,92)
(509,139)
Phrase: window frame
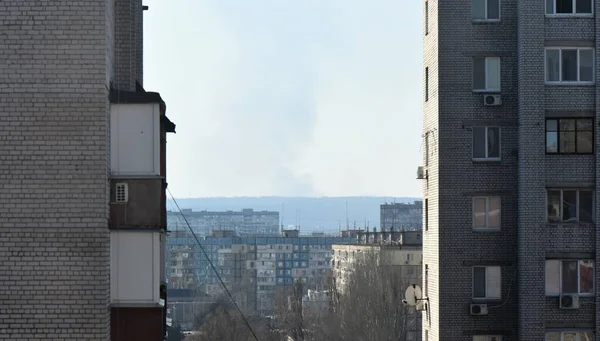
(486,59)
(572,14)
(560,278)
(487,19)
(578,81)
(427,84)
(486,158)
(561,218)
(487,297)
(487,226)
(576,119)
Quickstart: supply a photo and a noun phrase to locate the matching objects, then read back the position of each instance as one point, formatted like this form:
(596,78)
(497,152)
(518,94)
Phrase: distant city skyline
(311,98)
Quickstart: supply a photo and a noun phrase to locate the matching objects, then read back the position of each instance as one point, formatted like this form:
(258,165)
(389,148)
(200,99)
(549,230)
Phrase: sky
(289,98)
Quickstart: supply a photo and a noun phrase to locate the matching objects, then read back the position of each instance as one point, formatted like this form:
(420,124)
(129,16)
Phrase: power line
(214,269)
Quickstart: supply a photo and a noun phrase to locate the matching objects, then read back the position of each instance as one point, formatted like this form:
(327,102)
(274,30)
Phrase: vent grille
(121,193)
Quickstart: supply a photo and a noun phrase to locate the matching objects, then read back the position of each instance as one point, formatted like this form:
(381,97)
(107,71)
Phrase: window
(486,212)
(426,280)
(486,282)
(562,7)
(486,143)
(569,277)
(570,136)
(570,65)
(426,84)
(426,17)
(486,73)
(570,205)
(570,336)
(487,338)
(485,10)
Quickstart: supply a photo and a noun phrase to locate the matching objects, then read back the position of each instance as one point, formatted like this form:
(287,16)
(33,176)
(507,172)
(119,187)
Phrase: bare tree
(370,308)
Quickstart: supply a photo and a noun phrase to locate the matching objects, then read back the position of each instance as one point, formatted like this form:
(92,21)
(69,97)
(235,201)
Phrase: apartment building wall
(54,171)
(521,178)
(246,222)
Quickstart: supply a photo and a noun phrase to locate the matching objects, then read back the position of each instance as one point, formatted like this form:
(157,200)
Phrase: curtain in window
(493,142)
(569,65)
(493,74)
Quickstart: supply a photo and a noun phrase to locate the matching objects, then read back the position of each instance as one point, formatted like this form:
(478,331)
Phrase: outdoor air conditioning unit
(421,172)
(492,100)
(569,301)
(479,309)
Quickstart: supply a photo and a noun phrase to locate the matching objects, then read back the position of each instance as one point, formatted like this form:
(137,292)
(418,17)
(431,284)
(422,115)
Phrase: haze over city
(305,98)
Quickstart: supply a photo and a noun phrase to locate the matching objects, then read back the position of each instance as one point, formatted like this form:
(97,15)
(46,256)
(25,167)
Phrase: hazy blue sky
(280,97)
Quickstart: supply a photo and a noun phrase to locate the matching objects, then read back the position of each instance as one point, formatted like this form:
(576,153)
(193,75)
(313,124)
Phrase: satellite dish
(413,295)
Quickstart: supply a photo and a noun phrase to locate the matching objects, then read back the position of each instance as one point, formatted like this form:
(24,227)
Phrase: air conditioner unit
(492,100)
(479,309)
(421,172)
(569,301)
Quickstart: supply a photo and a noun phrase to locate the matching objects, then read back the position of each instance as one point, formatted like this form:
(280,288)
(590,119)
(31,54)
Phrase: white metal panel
(135,139)
(135,267)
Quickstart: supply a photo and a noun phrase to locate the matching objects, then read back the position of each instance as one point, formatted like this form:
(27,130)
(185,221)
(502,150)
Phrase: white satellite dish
(413,295)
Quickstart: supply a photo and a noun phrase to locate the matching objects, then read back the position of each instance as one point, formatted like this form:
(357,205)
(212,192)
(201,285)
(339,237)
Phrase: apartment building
(82,208)
(401,216)
(255,269)
(399,254)
(510,170)
(246,222)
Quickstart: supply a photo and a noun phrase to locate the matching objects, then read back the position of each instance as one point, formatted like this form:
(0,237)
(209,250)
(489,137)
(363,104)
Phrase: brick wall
(451,247)
(129,44)
(54,245)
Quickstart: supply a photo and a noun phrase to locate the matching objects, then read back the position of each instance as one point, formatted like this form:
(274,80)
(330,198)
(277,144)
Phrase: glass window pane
(479,73)
(567,125)
(478,9)
(569,65)
(553,65)
(494,282)
(479,282)
(586,206)
(553,336)
(570,336)
(583,6)
(494,212)
(585,124)
(569,205)
(493,142)
(586,277)
(586,65)
(552,277)
(553,206)
(564,6)
(479,212)
(551,142)
(549,6)
(493,73)
(586,336)
(569,277)
(479,145)
(551,125)
(585,142)
(567,142)
(493,9)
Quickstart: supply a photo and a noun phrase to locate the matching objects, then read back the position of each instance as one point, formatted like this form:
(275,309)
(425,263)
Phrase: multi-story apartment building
(399,254)
(401,216)
(82,208)
(246,222)
(255,269)
(510,170)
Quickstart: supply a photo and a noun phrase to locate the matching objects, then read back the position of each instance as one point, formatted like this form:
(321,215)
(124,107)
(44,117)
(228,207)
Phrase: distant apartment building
(401,216)
(246,222)
(82,208)
(400,255)
(255,269)
(511,170)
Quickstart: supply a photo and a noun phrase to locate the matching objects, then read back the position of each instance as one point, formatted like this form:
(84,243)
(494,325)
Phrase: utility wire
(213,268)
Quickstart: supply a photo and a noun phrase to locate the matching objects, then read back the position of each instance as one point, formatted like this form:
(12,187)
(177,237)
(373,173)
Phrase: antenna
(347,221)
